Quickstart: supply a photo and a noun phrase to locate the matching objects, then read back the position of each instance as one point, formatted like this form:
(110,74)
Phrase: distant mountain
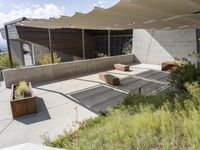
(2,43)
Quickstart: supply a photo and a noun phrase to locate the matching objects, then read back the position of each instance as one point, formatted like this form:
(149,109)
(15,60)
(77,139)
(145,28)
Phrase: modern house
(153,31)
(156,31)
(28,43)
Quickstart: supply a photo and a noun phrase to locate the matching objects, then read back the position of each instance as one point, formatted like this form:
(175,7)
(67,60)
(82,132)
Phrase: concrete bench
(109,79)
(121,67)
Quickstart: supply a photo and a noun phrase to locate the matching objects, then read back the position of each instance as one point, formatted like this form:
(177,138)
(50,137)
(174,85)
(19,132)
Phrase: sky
(13,9)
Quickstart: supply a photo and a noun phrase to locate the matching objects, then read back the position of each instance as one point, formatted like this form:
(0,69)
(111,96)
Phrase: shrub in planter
(22,91)
(22,99)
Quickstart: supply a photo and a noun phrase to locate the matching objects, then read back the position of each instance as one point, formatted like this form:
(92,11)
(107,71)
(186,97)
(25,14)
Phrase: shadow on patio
(41,115)
(99,98)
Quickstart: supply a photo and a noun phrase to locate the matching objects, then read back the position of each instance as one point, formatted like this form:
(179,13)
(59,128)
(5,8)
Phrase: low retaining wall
(36,74)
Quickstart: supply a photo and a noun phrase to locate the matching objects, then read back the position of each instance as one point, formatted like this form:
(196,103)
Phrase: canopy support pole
(132,50)
(198,44)
(8,46)
(22,53)
(33,54)
(50,46)
(83,43)
(108,42)
(7,37)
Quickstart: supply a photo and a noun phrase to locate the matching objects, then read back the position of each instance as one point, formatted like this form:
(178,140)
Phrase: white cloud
(0,5)
(100,3)
(32,11)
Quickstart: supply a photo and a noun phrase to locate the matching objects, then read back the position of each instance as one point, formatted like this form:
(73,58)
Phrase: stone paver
(63,102)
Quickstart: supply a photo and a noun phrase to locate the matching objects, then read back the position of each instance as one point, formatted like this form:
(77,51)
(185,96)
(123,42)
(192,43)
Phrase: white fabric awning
(128,14)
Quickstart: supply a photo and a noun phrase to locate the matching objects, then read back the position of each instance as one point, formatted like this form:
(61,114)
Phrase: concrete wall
(16,51)
(64,57)
(36,74)
(39,50)
(156,46)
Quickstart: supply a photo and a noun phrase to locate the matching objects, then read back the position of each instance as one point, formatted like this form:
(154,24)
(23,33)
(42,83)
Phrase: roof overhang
(129,14)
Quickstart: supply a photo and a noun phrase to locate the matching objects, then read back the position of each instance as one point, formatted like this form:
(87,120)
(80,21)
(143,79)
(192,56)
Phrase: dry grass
(167,125)
(22,90)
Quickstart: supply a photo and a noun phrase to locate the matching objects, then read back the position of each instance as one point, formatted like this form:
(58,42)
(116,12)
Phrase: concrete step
(158,76)
(128,80)
(147,73)
(98,98)
(149,88)
(164,79)
(90,92)
(134,85)
(109,103)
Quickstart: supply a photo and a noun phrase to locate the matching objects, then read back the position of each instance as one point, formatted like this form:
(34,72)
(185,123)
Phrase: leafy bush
(99,55)
(5,62)
(176,62)
(173,123)
(186,72)
(127,50)
(22,90)
(46,59)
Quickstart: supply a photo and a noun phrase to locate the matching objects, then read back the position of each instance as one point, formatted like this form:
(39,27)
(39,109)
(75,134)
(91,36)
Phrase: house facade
(149,46)
(153,30)
(28,43)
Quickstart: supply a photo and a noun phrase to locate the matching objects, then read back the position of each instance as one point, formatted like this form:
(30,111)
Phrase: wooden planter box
(172,68)
(23,106)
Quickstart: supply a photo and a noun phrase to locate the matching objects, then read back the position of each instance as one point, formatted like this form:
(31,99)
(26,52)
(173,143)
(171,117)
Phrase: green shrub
(22,90)
(127,50)
(173,123)
(176,62)
(186,72)
(46,59)
(99,55)
(5,62)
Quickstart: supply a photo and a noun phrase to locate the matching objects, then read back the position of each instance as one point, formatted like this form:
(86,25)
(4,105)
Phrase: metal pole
(108,42)
(33,53)
(198,45)
(50,46)
(22,53)
(7,37)
(132,52)
(8,46)
(83,43)
(140,89)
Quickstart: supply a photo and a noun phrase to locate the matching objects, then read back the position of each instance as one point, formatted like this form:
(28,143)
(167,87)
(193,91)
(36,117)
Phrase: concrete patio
(61,103)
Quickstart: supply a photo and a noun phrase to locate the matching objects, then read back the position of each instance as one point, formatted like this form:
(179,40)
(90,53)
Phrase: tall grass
(169,124)
(5,62)
(46,59)
(22,90)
